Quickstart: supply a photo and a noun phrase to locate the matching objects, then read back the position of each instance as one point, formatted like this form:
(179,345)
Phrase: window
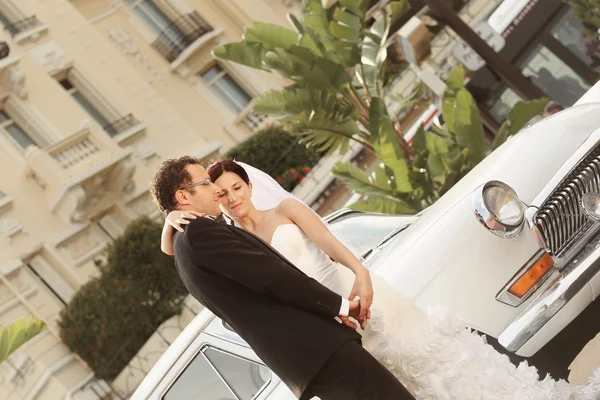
(14,20)
(217,375)
(554,76)
(154,17)
(51,279)
(500,106)
(569,32)
(95,104)
(4,19)
(9,13)
(15,131)
(226,88)
(83,102)
(175,32)
(111,226)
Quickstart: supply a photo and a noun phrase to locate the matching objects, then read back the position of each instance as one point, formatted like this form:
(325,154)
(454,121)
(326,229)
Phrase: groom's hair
(217,168)
(171,176)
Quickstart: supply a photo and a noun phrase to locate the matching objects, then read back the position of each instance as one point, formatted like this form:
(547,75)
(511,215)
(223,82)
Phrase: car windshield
(362,232)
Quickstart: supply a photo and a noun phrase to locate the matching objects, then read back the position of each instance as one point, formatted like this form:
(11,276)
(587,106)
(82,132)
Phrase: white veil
(267,194)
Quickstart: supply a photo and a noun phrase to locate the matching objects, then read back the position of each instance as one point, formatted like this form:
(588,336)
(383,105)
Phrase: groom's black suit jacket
(284,315)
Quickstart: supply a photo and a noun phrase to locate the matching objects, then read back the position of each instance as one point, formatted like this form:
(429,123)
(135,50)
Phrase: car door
(216,369)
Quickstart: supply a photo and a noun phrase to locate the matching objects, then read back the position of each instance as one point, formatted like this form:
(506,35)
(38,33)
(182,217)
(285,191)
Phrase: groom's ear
(182,197)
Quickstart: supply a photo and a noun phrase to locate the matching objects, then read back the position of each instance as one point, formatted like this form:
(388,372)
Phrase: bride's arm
(319,234)
(166,239)
(174,221)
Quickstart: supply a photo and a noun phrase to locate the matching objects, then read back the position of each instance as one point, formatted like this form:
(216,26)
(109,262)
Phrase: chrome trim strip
(340,214)
(562,289)
(504,296)
(559,219)
(368,256)
(591,122)
(343,213)
(202,351)
(530,214)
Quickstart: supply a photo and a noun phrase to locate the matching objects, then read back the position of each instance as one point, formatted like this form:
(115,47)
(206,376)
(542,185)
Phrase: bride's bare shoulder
(287,206)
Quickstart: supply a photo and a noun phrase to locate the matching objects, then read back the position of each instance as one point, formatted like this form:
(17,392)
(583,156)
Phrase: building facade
(545,41)
(94,94)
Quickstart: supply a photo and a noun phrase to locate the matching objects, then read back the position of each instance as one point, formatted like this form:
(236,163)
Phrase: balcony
(81,174)
(248,123)
(180,34)
(121,125)
(25,28)
(254,121)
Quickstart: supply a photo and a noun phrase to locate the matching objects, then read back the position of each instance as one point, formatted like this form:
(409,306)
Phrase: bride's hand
(363,288)
(177,218)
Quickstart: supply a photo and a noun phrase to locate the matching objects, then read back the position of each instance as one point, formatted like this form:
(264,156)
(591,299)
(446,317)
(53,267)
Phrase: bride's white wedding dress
(434,356)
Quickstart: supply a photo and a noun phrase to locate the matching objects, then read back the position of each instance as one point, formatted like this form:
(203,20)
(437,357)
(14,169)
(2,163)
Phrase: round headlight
(499,209)
(504,204)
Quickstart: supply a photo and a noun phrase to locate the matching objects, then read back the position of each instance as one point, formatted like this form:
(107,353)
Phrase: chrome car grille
(559,219)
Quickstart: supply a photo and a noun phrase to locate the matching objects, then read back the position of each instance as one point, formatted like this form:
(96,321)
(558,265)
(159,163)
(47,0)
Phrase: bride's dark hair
(217,168)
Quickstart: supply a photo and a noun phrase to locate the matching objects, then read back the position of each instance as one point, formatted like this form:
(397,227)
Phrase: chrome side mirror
(590,205)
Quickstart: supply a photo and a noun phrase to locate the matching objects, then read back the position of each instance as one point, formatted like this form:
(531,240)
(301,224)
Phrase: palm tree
(337,59)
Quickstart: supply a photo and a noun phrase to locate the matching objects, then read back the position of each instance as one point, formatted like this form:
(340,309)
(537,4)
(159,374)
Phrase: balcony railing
(255,121)
(180,34)
(251,120)
(23,25)
(73,150)
(121,125)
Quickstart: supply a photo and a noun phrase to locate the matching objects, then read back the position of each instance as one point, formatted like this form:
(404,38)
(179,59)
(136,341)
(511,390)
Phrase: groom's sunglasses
(202,182)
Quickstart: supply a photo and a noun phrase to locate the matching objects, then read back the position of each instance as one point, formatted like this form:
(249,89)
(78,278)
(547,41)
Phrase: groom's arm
(223,252)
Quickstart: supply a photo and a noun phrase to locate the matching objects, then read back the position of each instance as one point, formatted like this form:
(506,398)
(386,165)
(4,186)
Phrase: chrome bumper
(557,294)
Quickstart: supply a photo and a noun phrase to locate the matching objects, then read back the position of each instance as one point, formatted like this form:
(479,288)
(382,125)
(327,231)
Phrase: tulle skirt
(436,357)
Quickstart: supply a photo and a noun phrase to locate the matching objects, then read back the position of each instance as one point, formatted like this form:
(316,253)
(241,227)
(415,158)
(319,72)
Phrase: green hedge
(276,152)
(112,316)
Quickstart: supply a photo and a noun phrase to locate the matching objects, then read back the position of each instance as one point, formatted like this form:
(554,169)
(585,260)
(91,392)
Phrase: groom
(287,318)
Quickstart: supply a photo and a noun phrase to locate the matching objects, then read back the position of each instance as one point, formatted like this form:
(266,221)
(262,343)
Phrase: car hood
(447,258)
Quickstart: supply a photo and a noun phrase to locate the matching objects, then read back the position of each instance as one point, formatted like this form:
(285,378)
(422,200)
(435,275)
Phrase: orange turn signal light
(532,276)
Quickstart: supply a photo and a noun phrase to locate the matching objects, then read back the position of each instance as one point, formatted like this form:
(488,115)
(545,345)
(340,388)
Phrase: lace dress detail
(434,355)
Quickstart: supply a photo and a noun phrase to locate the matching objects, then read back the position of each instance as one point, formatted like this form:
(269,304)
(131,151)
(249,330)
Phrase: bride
(433,355)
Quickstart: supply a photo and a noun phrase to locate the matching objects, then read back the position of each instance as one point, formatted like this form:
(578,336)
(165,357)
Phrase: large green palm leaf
(308,69)
(336,32)
(462,117)
(270,36)
(321,118)
(375,42)
(376,185)
(321,132)
(16,334)
(518,116)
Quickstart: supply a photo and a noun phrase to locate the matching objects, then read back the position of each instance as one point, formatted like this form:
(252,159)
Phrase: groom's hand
(347,322)
(354,312)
